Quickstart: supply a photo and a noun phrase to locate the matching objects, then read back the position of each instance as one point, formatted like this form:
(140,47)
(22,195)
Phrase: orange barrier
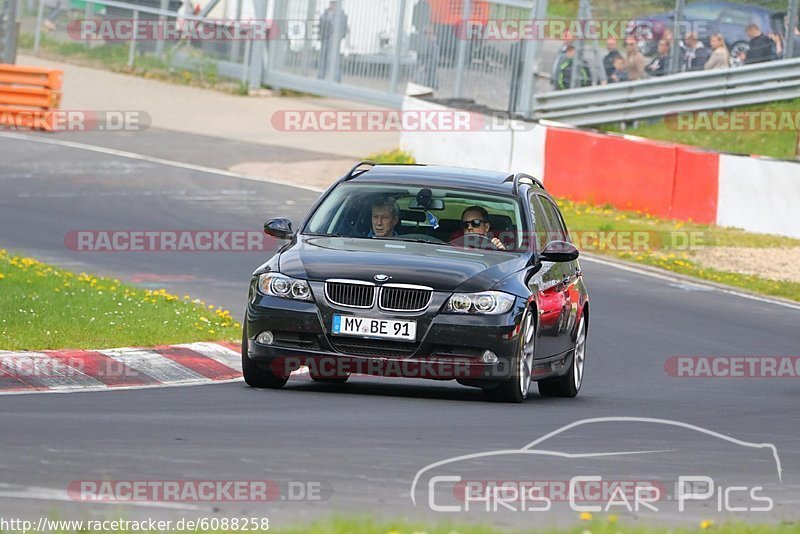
(27,95)
(666,180)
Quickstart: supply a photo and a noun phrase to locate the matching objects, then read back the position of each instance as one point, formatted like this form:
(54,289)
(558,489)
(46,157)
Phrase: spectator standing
(760,47)
(619,74)
(635,62)
(610,58)
(564,76)
(696,53)
(569,40)
(720,57)
(659,65)
(333,28)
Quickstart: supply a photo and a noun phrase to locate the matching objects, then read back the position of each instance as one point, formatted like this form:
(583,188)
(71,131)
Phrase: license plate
(344,325)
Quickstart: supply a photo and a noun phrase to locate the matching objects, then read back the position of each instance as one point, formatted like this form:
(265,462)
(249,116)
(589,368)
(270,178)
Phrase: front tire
(516,388)
(254,374)
(570,384)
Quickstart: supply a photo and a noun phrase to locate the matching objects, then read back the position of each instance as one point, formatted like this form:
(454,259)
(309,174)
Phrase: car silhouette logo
(381,277)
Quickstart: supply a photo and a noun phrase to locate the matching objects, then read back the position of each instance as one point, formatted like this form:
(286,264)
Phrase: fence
(473,50)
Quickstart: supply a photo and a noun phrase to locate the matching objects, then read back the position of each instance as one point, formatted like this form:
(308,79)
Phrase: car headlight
(278,285)
(484,303)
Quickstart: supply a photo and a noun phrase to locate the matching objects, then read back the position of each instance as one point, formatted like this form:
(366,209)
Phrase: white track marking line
(154,365)
(152,159)
(698,283)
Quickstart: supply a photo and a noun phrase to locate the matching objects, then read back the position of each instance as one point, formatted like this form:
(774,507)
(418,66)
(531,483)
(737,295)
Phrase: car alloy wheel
(527,345)
(580,355)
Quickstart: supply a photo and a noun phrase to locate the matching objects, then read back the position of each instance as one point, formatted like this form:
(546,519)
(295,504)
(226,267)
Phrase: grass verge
(776,144)
(45,307)
(607,525)
(670,245)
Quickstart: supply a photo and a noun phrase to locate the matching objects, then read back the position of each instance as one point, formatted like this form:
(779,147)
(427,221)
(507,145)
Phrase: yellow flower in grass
(586,516)
(706,523)
(612,518)
(2,276)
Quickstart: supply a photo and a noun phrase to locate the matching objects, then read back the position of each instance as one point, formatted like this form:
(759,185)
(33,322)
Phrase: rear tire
(258,375)
(516,388)
(570,384)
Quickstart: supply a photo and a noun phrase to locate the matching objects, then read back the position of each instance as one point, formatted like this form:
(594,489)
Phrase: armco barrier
(674,181)
(27,95)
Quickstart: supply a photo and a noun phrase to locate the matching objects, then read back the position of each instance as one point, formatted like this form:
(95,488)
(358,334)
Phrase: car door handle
(578,272)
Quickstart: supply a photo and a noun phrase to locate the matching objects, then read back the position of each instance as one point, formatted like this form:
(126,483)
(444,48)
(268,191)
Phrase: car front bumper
(448,346)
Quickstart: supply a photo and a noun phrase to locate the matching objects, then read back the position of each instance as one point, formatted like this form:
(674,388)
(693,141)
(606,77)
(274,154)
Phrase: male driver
(385,216)
(475,220)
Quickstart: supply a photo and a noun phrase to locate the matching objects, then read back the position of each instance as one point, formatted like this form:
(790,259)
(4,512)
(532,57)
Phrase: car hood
(441,267)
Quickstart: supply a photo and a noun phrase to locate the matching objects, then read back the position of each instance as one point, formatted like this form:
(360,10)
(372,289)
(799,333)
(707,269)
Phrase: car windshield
(420,214)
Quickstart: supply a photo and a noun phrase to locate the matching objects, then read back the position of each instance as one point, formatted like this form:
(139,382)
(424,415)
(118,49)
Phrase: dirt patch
(316,173)
(769,263)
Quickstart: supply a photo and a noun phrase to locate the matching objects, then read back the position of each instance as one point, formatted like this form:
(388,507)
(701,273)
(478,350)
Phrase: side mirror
(280,228)
(559,252)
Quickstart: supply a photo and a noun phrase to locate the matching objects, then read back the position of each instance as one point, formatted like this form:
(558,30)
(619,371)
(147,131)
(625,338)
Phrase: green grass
(606,525)
(781,145)
(114,57)
(586,218)
(392,156)
(45,307)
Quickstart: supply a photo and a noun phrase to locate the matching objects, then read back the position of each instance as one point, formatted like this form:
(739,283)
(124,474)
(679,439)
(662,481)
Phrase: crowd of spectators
(630,64)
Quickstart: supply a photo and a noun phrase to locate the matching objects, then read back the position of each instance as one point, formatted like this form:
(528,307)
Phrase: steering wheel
(478,241)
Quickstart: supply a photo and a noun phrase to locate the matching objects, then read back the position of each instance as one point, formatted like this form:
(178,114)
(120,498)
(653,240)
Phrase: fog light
(265,338)
(489,357)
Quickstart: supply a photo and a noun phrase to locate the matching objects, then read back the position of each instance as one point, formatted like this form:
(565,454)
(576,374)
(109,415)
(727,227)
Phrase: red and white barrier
(664,179)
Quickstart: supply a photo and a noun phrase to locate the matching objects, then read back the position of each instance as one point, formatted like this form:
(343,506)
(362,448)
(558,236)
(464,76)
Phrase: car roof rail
(522,178)
(355,170)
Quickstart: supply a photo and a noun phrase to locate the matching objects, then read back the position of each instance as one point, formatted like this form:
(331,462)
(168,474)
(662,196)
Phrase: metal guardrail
(693,91)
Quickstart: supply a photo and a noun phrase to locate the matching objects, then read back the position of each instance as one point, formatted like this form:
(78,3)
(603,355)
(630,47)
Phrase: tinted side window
(542,226)
(557,228)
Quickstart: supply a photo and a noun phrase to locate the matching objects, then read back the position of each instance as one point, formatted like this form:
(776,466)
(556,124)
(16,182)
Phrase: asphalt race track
(362,442)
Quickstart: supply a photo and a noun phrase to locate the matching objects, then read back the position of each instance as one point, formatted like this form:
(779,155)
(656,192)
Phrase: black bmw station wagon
(425,272)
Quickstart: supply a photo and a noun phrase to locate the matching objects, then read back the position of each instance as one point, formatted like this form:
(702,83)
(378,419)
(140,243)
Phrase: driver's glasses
(474,223)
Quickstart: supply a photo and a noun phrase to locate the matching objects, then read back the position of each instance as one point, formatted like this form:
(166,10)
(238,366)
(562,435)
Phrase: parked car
(435,298)
(707,18)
